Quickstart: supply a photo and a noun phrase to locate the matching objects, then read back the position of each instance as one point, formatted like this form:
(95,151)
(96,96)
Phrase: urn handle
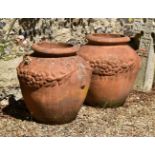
(26,59)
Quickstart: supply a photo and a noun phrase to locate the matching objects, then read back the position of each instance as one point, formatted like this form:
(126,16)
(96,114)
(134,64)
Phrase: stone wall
(62,29)
(72,30)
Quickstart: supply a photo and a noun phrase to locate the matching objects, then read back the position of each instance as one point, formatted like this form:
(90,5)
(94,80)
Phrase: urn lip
(105,38)
(52,48)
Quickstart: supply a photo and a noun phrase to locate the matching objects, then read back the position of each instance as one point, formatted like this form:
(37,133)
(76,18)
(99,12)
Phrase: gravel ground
(135,118)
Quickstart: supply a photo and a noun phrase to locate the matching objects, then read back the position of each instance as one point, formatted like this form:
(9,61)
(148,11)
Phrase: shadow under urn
(54,82)
(115,66)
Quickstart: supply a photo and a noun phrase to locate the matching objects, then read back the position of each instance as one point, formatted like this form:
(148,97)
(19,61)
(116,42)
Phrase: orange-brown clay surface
(54,87)
(115,65)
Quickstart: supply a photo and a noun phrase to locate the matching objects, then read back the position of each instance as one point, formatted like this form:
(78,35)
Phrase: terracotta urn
(115,66)
(54,82)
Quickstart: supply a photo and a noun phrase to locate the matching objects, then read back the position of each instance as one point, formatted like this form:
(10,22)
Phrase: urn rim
(52,48)
(105,38)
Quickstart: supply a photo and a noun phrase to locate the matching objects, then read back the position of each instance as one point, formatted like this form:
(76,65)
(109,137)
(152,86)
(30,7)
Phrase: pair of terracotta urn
(57,78)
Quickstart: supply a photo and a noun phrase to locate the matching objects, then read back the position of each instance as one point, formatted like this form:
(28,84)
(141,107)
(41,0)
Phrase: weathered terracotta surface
(115,65)
(54,82)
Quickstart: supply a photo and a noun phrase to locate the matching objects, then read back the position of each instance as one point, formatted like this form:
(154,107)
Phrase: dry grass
(135,118)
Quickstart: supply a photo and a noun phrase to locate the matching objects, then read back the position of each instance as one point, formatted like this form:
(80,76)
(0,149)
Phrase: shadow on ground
(17,109)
